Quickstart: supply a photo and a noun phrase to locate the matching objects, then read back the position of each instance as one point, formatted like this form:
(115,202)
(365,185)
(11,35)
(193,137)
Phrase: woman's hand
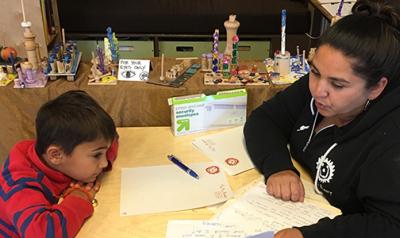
(286,185)
(288,233)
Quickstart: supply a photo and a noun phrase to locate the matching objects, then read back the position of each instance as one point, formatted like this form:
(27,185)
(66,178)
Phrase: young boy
(47,186)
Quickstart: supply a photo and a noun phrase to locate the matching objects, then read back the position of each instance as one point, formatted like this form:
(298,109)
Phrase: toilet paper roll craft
(282,63)
(231,26)
(67,63)
(60,67)
(32,75)
(215,51)
(52,65)
(63,61)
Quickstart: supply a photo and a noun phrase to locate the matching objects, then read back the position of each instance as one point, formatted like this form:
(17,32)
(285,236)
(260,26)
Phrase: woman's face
(337,90)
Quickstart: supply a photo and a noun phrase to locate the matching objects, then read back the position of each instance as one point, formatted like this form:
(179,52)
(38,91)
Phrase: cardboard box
(199,112)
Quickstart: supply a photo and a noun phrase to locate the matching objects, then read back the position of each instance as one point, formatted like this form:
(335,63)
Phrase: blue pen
(181,165)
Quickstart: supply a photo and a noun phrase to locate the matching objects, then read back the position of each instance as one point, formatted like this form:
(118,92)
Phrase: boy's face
(86,161)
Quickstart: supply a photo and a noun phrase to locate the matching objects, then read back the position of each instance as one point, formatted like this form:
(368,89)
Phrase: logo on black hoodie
(325,169)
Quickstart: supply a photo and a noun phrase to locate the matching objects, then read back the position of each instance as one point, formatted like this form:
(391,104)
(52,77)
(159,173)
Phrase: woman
(342,124)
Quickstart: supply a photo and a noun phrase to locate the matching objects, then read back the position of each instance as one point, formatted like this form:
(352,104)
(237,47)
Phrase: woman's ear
(54,154)
(377,89)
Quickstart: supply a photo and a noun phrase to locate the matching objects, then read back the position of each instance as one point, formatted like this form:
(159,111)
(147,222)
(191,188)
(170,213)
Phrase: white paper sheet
(203,229)
(226,148)
(267,234)
(168,188)
(257,212)
(133,70)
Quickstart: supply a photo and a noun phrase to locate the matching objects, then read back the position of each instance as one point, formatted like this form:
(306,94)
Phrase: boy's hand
(88,186)
(92,186)
(288,233)
(84,190)
(286,185)
(87,195)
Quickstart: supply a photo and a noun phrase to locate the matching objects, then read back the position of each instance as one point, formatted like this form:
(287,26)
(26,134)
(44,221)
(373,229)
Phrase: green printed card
(195,113)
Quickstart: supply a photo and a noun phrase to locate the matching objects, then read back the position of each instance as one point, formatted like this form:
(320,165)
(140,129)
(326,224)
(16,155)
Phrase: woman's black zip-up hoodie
(356,167)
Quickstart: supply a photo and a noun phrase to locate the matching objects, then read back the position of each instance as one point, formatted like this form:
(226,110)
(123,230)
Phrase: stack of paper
(200,228)
(209,229)
(226,148)
(168,188)
(257,211)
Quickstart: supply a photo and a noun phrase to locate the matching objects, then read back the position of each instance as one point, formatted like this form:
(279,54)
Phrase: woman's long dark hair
(370,36)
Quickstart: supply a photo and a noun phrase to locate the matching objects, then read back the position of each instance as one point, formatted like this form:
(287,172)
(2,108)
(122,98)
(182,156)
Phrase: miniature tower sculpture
(215,51)
(30,44)
(231,27)
(31,73)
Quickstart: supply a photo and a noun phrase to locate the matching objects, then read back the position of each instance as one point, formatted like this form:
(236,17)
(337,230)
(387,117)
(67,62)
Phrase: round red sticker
(212,169)
(232,161)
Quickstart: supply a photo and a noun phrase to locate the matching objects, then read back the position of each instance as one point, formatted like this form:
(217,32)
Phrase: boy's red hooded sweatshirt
(29,196)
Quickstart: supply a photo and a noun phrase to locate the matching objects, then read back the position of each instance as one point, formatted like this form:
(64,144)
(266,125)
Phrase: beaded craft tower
(30,74)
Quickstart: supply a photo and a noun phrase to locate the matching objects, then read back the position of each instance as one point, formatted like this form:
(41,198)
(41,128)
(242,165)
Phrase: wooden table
(148,146)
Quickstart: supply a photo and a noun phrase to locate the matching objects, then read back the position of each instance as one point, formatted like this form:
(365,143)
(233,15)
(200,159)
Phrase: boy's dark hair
(71,119)
(371,37)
